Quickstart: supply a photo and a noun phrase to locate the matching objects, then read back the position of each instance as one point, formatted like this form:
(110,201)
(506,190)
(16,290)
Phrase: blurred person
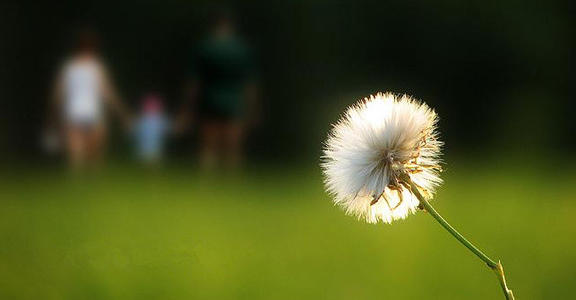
(222,94)
(82,91)
(151,129)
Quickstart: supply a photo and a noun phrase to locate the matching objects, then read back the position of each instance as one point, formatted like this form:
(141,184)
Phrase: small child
(151,129)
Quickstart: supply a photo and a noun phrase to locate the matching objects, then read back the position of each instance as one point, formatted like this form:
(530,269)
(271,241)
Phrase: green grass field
(128,233)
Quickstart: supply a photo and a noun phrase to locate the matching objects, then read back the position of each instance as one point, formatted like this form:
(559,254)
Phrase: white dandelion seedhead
(379,143)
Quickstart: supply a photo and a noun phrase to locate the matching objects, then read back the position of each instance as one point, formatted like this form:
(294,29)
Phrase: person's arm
(113,99)
(188,108)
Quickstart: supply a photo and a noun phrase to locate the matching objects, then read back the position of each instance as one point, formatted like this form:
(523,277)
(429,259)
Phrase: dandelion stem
(495,266)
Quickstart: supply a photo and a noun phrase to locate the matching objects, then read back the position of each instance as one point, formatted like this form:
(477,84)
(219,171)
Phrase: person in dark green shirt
(222,92)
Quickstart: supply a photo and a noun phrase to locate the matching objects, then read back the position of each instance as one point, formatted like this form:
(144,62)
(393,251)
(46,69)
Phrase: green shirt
(223,67)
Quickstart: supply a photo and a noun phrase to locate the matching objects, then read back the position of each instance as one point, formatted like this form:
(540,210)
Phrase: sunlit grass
(274,234)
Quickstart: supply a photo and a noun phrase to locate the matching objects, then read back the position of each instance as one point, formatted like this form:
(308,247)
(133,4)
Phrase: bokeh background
(501,75)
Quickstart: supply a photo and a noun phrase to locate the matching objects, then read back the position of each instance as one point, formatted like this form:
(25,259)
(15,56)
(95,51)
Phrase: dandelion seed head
(369,152)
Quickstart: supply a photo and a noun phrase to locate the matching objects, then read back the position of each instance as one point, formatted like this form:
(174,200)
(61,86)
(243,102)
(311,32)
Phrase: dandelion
(382,162)
(378,142)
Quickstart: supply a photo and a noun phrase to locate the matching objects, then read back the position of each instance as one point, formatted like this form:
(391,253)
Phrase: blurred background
(170,149)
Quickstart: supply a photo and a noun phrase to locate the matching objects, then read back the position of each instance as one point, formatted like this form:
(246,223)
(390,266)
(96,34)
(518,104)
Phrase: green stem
(495,266)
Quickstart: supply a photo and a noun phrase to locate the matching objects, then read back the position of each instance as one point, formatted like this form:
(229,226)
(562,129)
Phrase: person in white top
(82,93)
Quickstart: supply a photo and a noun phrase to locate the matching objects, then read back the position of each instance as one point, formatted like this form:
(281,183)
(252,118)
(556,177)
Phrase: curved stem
(495,266)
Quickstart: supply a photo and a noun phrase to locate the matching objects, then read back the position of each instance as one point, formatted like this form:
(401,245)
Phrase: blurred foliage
(500,73)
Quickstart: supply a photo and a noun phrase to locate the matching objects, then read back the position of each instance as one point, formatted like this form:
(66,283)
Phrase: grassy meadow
(131,233)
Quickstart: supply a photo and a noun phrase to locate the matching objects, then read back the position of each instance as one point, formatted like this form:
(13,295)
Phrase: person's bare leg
(233,144)
(96,145)
(76,148)
(210,135)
